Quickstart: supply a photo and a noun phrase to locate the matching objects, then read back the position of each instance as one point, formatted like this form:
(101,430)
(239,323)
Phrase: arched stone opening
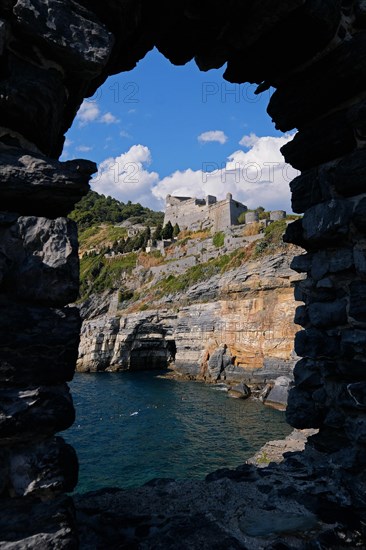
(149,348)
(53,54)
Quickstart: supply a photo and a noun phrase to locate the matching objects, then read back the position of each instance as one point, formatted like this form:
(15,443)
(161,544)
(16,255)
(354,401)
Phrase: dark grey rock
(325,84)
(359,255)
(325,283)
(301,316)
(32,103)
(309,291)
(300,292)
(348,175)
(331,261)
(278,396)
(315,144)
(352,370)
(302,411)
(3,30)
(295,234)
(356,429)
(32,184)
(216,363)
(261,51)
(84,45)
(354,396)
(353,342)
(24,413)
(241,391)
(357,309)
(8,218)
(328,314)
(294,503)
(39,260)
(273,367)
(44,346)
(358,217)
(306,191)
(302,264)
(27,523)
(314,343)
(327,222)
(345,175)
(307,374)
(28,475)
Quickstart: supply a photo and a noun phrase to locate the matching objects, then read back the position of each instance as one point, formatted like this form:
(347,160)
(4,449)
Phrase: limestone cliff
(237,325)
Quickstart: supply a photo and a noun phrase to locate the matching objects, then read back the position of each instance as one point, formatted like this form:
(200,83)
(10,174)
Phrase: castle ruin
(194,214)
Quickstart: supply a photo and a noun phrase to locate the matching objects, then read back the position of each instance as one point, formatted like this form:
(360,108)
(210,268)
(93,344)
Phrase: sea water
(134,427)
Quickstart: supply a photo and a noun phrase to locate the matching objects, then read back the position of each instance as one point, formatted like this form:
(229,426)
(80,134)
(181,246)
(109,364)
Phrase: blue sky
(163,129)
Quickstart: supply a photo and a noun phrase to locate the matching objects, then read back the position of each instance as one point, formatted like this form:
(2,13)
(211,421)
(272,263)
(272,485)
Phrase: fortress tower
(194,214)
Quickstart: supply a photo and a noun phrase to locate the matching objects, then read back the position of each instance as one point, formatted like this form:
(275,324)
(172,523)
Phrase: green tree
(157,235)
(94,209)
(262,214)
(138,242)
(146,236)
(120,247)
(219,239)
(167,232)
(176,230)
(128,245)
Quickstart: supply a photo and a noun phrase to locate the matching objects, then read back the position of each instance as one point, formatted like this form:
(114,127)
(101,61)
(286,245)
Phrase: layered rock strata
(237,326)
(141,341)
(56,52)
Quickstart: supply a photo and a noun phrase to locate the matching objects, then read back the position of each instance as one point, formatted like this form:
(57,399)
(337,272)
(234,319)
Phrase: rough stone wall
(187,212)
(142,341)
(194,214)
(43,61)
(324,99)
(53,53)
(225,213)
(249,309)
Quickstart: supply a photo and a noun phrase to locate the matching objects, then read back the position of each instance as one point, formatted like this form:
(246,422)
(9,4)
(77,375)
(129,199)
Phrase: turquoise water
(133,427)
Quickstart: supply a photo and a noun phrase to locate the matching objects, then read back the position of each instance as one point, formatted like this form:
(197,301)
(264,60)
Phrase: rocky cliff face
(236,327)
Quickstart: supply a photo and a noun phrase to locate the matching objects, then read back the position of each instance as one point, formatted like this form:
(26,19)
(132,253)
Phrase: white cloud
(255,177)
(249,141)
(84,148)
(65,152)
(127,177)
(108,118)
(89,112)
(217,136)
(68,142)
(125,134)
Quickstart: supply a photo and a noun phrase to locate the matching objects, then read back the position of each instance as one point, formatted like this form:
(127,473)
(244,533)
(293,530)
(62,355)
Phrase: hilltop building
(194,214)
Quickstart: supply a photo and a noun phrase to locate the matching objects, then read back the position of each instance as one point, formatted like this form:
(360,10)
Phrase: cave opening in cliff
(150,348)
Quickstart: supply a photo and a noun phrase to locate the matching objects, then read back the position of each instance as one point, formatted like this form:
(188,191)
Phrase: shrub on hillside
(219,239)
(252,229)
(168,231)
(95,208)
